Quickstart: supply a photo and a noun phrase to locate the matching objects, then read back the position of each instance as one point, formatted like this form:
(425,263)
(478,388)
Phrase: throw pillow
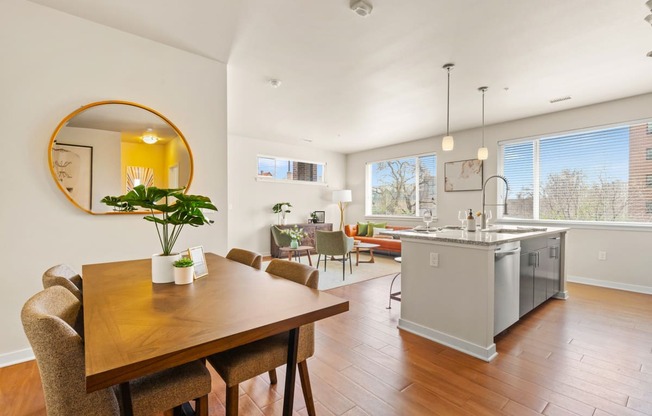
(362,228)
(372,225)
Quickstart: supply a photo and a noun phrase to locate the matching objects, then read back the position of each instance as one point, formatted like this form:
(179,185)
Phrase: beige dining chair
(246,257)
(63,275)
(47,320)
(247,361)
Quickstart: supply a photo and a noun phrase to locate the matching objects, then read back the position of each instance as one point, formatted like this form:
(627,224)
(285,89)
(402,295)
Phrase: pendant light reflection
(447,143)
(483,152)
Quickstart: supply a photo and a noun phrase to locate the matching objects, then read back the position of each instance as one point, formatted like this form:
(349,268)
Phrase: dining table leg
(291,372)
(125,395)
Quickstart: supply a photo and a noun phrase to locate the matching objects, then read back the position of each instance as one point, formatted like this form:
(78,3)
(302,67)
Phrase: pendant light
(448,143)
(483,152)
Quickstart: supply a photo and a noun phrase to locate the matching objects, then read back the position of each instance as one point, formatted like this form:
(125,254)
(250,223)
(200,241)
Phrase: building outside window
(602,175)
(283,169)
(648,153)
(648,207)
(403,187)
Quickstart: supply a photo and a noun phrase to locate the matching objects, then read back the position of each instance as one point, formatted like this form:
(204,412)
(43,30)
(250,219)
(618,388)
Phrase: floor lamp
(341,197)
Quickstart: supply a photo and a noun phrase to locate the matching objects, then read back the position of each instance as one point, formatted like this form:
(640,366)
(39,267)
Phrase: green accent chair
(334,243)
(281,240)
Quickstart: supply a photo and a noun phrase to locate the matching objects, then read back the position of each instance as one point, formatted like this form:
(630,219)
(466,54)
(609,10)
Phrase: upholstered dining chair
(334,243)
(246,257)
(63,275)
(281,240)
(247,361)
(47,318)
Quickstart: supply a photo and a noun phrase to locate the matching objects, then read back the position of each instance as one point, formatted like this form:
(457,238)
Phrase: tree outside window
(403,187)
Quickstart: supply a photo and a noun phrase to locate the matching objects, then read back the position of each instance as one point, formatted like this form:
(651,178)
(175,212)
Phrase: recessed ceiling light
(361,7)
(307,140)
(274,83)
(556,100)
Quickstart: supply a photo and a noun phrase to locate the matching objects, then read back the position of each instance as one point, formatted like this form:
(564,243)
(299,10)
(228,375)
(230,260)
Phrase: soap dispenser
(470,221)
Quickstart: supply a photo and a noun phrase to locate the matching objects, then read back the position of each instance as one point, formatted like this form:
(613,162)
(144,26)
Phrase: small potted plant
(184,271)
(281,209)
(313,217)
(296,234)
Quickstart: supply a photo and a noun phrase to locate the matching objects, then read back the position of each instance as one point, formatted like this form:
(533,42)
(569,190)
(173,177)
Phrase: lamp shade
(447,143)
(343,195)
(483,153)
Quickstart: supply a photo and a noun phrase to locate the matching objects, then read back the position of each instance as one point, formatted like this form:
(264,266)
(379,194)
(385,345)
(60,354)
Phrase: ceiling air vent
(556,100)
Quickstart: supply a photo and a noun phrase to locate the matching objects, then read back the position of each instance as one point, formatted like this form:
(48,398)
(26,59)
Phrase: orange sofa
(386,243)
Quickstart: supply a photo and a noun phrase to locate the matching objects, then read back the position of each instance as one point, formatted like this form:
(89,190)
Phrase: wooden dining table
(133,327)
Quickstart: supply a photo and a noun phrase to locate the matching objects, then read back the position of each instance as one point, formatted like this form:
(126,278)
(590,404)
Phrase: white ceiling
(352,83)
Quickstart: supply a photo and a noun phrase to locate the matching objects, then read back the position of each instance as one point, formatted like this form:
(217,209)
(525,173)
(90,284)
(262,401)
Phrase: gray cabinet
(539,272)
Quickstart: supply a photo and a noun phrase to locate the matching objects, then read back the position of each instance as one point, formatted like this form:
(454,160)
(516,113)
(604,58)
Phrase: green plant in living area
(281,209)
(183,262)
(175,208)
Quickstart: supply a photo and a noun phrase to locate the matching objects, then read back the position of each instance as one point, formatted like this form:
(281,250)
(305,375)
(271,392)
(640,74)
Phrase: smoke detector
(361,7)
(274,83)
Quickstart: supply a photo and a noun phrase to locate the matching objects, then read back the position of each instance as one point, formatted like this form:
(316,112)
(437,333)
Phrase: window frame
(369,197)
(263,178)
(580,224)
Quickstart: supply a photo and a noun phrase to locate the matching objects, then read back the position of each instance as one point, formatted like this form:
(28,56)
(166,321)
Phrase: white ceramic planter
(184,275)
(162,268)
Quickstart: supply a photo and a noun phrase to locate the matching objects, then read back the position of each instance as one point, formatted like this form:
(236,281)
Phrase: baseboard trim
(647,290)
(485,354)
(16,357)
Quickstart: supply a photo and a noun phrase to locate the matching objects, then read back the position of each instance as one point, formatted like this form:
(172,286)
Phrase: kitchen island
(452,294)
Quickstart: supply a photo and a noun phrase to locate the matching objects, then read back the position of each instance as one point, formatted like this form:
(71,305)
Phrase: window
(281,169)
(402,187)
(648,207)
(597,176)
(648,153)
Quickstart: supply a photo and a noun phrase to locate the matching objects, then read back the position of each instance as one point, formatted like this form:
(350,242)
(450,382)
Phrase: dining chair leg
(350,265)
(343,266)
(232,397)
(201,406)
(318,260)
(305,386)
(272,376)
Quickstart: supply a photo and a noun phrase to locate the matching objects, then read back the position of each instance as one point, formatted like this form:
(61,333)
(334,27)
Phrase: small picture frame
(199,261)
(321,216)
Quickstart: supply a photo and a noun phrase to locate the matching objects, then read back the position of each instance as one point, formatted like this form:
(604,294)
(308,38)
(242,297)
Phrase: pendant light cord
(448,103)
(483,91)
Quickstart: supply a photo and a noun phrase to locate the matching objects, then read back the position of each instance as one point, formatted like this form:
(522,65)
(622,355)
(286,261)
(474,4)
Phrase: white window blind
(402,187)
(602,175)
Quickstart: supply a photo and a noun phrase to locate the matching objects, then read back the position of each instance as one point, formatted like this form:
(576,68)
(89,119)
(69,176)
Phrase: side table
(296,252)
(364,247)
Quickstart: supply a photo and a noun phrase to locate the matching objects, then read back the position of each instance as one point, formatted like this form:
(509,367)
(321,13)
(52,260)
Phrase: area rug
(332,277)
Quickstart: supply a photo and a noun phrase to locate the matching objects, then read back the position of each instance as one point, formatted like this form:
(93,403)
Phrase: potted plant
(296,234)
(313,217)
(183,271)
(281,209)
(170,211)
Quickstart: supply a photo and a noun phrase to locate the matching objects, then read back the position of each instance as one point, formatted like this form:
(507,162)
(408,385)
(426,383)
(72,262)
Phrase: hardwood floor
(589,355)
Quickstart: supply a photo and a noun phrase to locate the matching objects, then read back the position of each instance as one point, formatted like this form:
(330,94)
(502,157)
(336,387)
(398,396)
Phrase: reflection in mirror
(109,147)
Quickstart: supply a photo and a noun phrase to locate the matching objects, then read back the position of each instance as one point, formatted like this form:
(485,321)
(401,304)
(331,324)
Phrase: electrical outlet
(434,259)
(602,255)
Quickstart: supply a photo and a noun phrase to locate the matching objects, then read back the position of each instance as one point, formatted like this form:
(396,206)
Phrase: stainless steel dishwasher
(507,261)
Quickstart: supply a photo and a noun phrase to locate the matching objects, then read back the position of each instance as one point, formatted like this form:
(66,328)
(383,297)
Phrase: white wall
(627,266)
(53,63)
(251,201)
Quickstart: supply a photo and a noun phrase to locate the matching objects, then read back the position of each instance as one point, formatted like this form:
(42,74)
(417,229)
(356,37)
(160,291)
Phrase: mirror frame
(96,104)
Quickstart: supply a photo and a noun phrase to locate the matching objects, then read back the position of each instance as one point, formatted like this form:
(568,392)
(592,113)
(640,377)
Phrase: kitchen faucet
(484,188)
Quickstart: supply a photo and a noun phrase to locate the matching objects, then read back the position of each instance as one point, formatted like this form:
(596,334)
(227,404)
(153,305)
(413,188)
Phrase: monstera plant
(170,210)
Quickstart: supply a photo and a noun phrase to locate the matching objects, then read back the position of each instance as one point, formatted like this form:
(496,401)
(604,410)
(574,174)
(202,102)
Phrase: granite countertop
(490,237)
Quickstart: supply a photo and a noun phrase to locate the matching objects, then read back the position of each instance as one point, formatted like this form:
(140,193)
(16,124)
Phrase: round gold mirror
(109,147)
